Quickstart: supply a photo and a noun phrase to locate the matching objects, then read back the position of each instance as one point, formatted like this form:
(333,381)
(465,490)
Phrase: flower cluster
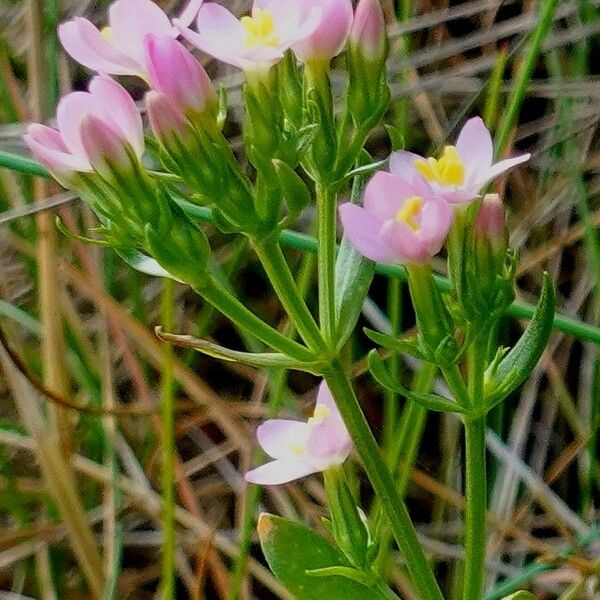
(407,213)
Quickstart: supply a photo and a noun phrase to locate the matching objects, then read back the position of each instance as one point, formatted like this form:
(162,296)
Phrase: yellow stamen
(298,449)
(321,412)
(106,33)
(411,207)
(446,170)
(260,29)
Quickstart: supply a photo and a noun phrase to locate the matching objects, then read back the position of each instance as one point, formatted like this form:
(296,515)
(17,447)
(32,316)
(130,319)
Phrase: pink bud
(401,221)
(167,123)
(328,39)
(490,223)
(302,448)
(174,72)
(105,147)
(368,32)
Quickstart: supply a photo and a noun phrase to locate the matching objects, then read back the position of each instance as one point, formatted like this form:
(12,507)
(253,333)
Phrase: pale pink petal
(403,163)
(219,27)
(363,231)
(277,436)
(132,20)
(406,244)
(436,218)
(71,110)
(103,145)
(385,194)
(328,444)
(499,168)
(475,148)
(115,106)
(325,398)
(189,13)
(280,471)
(83,42)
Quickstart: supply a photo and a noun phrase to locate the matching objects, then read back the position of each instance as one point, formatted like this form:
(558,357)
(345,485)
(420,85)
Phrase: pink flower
(368,32)
(299,448)
(256,42)
(462,170)
(95,126)
(401,221)
(328,39)
(174,72)
(490,223)
(119,48)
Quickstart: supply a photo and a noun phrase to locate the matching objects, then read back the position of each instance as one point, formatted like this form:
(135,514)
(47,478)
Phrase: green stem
(168,447)
(383,483)
(475,527)
(236,312)
(326,219)
(278,271)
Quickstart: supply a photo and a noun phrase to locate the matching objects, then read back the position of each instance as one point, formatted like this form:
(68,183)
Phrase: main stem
(382,482)
(168,448)
(476,484)
(326,204)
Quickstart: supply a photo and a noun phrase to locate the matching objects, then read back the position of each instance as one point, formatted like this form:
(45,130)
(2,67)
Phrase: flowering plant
(302,151)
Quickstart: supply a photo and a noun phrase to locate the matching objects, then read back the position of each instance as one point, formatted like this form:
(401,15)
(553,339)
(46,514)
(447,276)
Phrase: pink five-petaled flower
(328,39)
(300,448)
(255,42)
(95,127)
(462,170)
(119,48)
(400,221)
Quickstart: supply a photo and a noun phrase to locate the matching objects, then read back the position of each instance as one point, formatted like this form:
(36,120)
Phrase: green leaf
(353,276)
(520,595)
(429,401)
(295,191)
(253,359)
(144,264)
(407,346)
(297,556)
(517,365)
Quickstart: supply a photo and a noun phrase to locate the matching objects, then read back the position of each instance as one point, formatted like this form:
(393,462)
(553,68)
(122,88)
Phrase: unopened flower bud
(491,223)
(368,34)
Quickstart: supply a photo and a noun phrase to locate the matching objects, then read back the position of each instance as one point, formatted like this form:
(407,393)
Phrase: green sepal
(396,137)
(293,550)
(504,378)
(353,277)
(429,401)
(262,360)
(295,192)
(401,345)
(520,595)
(222,107)
(144,264)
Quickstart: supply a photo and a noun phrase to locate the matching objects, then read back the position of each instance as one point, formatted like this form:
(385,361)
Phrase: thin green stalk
(475,480)
(382,482)
(326,219)
(168,447)
(281,278)
(523,77)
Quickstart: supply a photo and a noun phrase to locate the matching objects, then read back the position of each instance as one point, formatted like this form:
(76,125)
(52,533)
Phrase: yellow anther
(260,29)
(298,449)
(446,170)
(321,412)
(106,33)
(411,207)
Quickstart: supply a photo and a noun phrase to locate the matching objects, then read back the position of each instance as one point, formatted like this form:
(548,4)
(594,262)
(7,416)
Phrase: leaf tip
(265,525)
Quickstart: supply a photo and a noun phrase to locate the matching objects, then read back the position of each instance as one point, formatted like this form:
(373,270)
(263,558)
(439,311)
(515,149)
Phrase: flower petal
(385,194)
(475,148)
(363,230)
(84,43)
(71,110)
(132,20)
(277,436)
(329,444)
(403,163)
(280,471)
(501,167)
(190,12)
(406,244)
(436,218)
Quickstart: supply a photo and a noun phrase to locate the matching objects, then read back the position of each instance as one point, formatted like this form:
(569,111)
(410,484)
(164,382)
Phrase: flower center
(260,29)
(410,209)
(446,170)
(298,449)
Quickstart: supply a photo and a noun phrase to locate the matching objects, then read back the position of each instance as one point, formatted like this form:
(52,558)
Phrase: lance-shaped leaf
(429,401)
(145,264)
(300,559)
(505,377)
(253,359)
(403,345)
(295,191)
(353,276)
